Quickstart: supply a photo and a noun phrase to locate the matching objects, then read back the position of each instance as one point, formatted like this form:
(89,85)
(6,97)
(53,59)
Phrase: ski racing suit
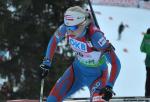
(93,53)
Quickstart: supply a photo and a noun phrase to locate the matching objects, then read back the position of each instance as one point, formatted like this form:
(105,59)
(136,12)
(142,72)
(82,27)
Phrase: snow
(131,81)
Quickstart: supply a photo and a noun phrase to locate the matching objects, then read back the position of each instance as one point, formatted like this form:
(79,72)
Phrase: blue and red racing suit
(90,65)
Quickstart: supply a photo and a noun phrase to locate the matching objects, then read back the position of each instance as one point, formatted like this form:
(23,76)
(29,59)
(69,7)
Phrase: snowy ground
(131,80)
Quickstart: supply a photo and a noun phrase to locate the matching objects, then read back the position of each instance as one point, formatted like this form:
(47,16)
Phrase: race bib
(89,59)
(85,57)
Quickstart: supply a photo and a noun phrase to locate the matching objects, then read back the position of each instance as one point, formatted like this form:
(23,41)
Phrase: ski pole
(93,14)
(41,92)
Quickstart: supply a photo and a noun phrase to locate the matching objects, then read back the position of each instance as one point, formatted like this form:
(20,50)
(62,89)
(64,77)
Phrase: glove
(44,68)
(107,93)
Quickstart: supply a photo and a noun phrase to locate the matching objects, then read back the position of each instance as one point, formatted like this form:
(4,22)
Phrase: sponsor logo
(69,17)
(97,99)
(77,45)
(102,41)
(96,86)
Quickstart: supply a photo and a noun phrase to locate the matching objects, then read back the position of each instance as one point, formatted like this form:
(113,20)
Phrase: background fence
(126,3)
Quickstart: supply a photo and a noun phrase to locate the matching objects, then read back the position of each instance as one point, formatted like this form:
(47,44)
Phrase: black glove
(44,68)
(107,93)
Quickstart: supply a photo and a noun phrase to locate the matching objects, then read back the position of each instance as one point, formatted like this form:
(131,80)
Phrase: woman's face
(77,29)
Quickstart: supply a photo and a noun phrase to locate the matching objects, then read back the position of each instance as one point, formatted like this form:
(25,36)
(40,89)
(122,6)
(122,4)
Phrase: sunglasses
(72,28)
(75,27)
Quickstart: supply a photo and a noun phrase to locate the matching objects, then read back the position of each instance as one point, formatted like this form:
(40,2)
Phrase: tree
(25,29)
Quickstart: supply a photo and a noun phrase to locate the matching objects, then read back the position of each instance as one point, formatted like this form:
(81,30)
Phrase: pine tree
(25,29)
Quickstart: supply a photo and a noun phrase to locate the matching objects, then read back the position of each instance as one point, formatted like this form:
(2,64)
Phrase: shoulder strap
(92,29)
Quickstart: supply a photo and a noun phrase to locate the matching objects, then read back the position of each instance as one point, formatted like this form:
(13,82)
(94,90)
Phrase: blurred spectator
(145,47)
(120,30)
